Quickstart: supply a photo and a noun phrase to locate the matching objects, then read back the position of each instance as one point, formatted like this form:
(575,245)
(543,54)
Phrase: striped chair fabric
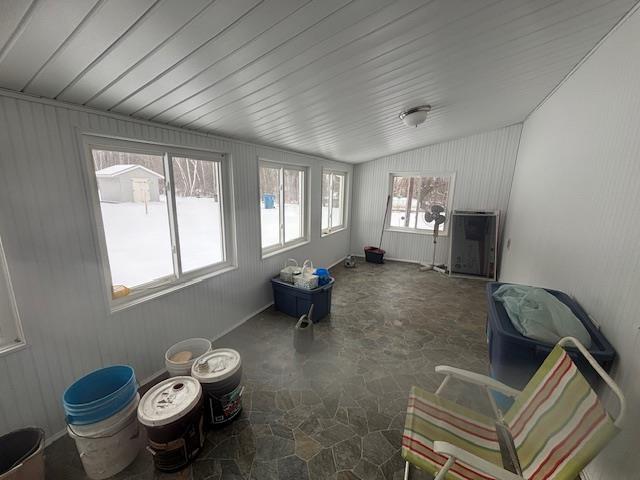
(557,424)
(430,417)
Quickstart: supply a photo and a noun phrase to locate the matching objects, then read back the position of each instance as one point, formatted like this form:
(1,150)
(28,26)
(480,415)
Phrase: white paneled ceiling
(327,77)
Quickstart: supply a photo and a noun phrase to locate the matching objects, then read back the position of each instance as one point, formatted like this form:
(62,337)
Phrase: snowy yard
(139,243)
(270,221)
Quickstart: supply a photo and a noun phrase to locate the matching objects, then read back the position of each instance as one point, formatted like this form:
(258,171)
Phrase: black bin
(296,301)
(515,358)
(374,254)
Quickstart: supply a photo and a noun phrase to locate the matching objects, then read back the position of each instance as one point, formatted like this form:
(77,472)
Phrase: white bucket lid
(216,365)
(169,401)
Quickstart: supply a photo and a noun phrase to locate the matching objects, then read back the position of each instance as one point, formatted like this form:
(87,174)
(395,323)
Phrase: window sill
(415,231)
(331,232)
(12,348)
(141,297)
(286,248)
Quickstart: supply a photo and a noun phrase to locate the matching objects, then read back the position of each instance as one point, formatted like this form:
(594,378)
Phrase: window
(414,194)
(333,201)
(11,336)
(282,206)
(164,215)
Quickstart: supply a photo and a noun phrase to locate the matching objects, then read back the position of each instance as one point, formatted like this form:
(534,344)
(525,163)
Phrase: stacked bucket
(100,410)
(104,410)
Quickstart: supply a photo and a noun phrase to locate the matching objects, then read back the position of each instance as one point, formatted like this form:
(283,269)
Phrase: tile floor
(336,412)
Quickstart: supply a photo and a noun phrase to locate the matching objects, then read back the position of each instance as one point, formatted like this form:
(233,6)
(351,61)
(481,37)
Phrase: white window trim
(330,231)
(20,342)
(449,207)
(298,242)
(176,281)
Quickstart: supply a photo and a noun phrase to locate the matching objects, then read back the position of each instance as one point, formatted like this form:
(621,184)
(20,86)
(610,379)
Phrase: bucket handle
(91,437)
(288,262)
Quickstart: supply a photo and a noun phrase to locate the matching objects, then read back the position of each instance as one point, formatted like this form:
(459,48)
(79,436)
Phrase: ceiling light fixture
(415,116)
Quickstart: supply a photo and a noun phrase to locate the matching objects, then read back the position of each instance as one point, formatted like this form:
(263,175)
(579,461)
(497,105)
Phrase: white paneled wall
(574,214)
(483,165)
(48,235)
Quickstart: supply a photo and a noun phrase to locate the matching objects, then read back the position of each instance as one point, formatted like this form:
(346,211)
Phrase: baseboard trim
(403,260)
(154,376)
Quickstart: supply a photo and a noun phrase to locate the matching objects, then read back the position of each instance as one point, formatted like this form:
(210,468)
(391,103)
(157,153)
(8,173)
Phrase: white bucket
(197,347)
(109,446)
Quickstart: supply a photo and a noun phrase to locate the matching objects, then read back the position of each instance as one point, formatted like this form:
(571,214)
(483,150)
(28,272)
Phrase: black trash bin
(22,454)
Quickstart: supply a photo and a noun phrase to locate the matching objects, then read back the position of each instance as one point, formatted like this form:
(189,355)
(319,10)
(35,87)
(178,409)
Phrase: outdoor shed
(128,183)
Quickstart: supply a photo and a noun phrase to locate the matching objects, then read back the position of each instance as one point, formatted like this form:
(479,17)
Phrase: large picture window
(163,214)
(282,206)
(414,194)
(333,201)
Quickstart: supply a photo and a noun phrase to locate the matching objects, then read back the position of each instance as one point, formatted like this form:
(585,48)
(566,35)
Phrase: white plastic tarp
(537,314)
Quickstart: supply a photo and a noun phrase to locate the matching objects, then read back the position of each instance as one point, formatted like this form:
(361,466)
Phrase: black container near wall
(172,413)
(220,374)
(374,254)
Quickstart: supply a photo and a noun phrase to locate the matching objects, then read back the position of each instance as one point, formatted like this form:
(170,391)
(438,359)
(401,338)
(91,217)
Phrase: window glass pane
(199,212)
(432,191)
(270,206)
(293,204)
(135,217)
(399,215)
(337,213)
(326,185)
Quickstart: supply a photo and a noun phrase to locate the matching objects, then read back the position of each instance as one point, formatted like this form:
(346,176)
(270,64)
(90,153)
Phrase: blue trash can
(269,200)
(296,301)
(514,358)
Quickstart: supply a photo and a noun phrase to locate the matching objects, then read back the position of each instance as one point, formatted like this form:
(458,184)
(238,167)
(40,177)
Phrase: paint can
(172,414)
(220,373)
(195,346)
(107,447)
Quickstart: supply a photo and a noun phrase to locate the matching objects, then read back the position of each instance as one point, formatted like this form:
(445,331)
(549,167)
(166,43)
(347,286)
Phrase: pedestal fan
(436,216)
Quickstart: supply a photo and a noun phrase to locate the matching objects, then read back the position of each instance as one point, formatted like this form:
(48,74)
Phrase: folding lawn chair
(555,427)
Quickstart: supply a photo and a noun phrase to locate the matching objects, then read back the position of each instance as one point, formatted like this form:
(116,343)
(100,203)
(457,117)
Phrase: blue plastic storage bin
(296,301)
(515,358)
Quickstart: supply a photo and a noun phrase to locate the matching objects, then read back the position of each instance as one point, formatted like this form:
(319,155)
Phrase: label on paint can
(226,407)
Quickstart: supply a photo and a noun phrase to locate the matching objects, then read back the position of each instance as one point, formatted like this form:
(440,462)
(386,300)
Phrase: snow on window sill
(326,233)
(286,248)
(144,296)
(415,231)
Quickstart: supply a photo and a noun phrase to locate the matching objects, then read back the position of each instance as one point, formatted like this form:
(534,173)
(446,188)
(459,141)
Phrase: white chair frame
(454,453)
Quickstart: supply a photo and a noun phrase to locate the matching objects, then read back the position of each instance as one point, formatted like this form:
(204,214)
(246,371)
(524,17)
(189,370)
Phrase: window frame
(5,276)
(283,246)
(179,279)
(330,230)
(449,207)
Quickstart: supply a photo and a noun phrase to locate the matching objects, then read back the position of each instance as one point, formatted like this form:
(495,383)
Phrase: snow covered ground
(270,221)
(139,243)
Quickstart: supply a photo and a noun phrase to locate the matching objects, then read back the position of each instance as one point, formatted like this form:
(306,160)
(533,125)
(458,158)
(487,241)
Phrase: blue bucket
(99,395)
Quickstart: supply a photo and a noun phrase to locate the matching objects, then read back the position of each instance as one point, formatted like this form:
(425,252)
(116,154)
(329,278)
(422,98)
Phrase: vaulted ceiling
(326,77)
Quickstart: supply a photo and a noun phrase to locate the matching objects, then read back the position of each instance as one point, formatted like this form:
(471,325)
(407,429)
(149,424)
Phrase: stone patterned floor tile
(338,411)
